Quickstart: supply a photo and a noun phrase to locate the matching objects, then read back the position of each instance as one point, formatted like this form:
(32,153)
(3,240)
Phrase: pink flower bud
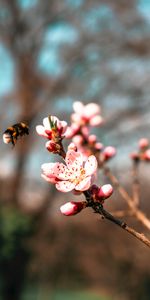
(52,147)
(72,208)
(92,138)
(147,154)
(99,146)
(109,152)
(143,143)
(105,191)
(101,193)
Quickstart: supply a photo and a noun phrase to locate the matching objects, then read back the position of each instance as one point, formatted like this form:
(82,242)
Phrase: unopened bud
(105,191)
(109,152)
(52,147)
(72,208)
(147,154)
(143,143)
(101,193)
(98,146)
(92,138)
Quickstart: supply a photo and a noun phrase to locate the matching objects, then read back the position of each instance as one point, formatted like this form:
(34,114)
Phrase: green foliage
(14,227)
(45,294)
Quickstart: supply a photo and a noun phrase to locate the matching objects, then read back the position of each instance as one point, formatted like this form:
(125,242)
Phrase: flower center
(78,176)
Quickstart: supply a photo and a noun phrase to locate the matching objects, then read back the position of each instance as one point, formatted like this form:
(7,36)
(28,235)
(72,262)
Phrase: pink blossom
(72,130)
(72,208)
(143,143)
(46,130)
(86,114)
(74,175)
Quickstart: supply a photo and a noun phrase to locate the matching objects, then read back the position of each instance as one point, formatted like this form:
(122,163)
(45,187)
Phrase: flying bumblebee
(12,133)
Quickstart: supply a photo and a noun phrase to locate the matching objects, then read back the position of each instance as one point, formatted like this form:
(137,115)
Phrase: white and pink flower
(75,175)
(46,130)
(86,114)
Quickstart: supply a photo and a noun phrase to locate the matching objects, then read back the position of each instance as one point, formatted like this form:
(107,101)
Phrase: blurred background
(53,53)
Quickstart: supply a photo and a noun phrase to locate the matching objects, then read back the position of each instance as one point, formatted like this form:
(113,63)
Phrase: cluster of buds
(53,129)
(96,195)
(84,117)
(78,171)
(143,153)
(100,194)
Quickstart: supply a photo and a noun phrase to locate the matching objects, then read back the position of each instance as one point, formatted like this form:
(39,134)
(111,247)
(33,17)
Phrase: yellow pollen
(78,177)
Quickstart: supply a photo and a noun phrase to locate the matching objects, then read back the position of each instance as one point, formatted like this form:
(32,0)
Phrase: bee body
(12,133)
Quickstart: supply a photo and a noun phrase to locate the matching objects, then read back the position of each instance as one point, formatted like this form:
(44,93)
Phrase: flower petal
(96,121)
(74,160)
(91,110)
(50,179)
(63,125)
(53,169)
(46,123)
(84,184)
(76,118)
(65,186)
(78,107)
(90,165)
(41,130)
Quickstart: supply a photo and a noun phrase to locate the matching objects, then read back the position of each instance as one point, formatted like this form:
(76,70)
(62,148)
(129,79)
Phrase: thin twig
(139,236)
(98,208)
(129,200)
(136,185)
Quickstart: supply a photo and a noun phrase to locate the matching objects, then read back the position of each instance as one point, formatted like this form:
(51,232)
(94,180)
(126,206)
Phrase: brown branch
(98,208)
(139,236)
(129,200)
(135,186)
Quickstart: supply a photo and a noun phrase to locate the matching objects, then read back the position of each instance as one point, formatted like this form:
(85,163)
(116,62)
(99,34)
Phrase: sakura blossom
(75,175)
(86,114)
(51,127)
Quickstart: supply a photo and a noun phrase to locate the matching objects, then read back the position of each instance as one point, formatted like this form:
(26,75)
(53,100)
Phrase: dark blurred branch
(136,212)
(136,184)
